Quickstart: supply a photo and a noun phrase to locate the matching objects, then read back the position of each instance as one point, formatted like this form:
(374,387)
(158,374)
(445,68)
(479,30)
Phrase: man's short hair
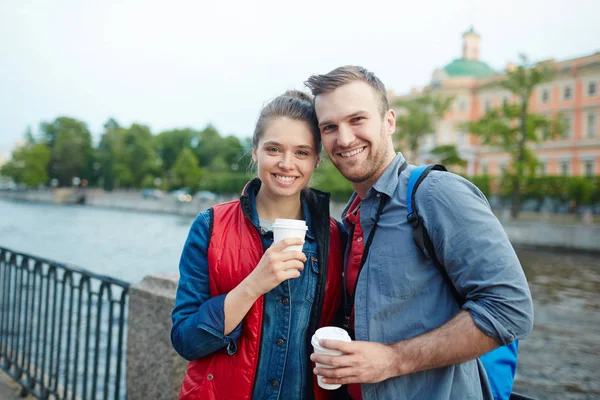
(319,84)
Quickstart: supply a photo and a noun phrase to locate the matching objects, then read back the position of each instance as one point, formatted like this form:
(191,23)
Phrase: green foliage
(580,190)
(448,156)
(148,182)
(169,144)
(186,172)
(417,118)
(483,182)
(328,179)
(225,182)
(70,144)
(512,127)
(28,165)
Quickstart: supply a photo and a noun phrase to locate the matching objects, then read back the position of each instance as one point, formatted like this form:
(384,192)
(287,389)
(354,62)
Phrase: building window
(488,105)
(462,105)
(541,169)
(592,124)
(545,96)
(568,133)
(588,168)
(565,168)
(592,89)
(568,93)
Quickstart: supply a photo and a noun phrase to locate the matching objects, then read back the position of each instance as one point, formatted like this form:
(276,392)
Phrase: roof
(464,67)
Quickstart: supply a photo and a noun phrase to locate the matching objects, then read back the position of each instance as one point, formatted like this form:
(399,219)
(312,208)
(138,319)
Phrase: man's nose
(345,136)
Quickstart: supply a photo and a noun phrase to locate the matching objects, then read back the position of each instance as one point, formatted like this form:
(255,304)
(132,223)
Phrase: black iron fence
(62,329)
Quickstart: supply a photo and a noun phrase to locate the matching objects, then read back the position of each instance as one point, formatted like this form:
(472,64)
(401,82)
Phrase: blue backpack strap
(420,235)
(500,364)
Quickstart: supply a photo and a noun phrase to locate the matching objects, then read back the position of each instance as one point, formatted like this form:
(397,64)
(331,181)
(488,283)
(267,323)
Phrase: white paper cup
(328,332)
(285,228)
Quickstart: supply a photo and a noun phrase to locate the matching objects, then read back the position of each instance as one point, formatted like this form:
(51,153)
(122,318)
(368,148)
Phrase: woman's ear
(254,156)
(318,161)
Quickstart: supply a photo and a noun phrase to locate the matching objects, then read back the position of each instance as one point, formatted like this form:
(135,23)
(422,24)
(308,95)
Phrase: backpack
(500,364)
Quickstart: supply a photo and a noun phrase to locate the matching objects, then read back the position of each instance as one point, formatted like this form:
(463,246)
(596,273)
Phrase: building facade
(574,92)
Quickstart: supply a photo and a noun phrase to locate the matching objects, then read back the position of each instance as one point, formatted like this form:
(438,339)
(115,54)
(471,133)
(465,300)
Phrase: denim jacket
(198,319)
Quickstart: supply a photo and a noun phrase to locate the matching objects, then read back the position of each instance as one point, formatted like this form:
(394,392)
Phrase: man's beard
(371,166)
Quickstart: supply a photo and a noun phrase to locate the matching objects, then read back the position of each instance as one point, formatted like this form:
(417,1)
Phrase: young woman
(245,309)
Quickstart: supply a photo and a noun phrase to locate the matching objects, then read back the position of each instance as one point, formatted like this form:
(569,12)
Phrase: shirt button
(274,383)
(378,194)
(359,239)
(285,300)
(279,342)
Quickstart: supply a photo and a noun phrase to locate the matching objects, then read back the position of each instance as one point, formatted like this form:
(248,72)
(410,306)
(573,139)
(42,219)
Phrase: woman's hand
(276,266)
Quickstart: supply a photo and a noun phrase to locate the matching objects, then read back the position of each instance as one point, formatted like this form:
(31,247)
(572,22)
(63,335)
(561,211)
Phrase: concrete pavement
(9,389)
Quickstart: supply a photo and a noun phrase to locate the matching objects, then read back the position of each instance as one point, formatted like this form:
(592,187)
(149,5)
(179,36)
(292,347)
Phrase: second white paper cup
(328,332)
(285,228)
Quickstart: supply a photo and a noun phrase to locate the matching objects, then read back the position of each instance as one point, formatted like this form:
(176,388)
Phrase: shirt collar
(388,181)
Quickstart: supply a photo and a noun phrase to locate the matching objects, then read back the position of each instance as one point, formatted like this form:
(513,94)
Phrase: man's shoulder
(444,183)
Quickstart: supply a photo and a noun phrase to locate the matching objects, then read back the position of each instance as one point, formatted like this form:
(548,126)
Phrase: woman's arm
(198,319)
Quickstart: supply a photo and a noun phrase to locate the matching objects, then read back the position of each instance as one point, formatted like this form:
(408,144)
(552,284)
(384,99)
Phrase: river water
(559,360)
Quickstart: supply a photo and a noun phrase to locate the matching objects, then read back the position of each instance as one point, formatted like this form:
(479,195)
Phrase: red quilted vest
(234,250)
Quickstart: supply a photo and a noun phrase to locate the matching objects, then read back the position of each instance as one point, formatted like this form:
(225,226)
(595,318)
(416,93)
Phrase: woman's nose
(286,161)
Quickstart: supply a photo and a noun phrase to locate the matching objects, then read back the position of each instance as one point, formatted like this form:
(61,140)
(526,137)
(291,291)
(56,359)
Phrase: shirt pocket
(311,267)
(397,275)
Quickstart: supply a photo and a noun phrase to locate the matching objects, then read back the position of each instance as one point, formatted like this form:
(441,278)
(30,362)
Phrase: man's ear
(390,122)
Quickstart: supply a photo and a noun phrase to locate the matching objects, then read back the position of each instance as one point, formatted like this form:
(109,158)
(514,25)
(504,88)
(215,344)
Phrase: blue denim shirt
(400,293)
(198,319)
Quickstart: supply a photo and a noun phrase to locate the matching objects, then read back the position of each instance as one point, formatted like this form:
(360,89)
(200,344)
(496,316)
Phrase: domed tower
(471,41)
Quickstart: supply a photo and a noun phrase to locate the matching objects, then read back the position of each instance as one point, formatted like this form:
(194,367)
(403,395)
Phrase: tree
(169,144)
(186,172)
(140,154)
(513,127)
(28,165)
(70,144)
(328,178)
(448,155)
(418,118)
(111,155)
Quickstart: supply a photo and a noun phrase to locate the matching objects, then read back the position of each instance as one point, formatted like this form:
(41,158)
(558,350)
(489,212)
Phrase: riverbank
(561,231)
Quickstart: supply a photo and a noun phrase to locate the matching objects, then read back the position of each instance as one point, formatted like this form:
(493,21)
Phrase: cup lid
(289,223)
(330,332)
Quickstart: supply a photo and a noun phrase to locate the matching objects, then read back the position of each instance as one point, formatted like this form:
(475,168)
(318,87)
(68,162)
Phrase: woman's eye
(302,153)
(272,149)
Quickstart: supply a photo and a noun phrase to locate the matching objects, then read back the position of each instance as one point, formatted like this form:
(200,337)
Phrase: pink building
(575,92)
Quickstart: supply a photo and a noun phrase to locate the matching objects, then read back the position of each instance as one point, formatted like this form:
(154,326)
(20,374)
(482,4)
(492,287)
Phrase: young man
(413,341)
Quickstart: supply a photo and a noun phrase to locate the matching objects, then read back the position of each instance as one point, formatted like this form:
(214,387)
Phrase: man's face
(356,137)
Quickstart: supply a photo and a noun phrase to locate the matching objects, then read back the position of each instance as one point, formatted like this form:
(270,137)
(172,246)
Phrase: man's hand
(362,362)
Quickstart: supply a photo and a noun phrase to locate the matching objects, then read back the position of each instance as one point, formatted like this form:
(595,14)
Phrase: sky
(183,63)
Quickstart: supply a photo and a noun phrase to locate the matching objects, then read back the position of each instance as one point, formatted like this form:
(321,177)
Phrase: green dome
(463,67)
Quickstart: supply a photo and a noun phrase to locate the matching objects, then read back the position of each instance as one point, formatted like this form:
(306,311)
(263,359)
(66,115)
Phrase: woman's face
(286,157)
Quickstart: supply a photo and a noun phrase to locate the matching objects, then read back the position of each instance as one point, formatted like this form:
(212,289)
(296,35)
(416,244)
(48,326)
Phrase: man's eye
(357,119)
(328,128)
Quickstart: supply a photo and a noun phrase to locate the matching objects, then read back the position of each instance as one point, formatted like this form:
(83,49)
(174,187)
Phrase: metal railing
(62,329)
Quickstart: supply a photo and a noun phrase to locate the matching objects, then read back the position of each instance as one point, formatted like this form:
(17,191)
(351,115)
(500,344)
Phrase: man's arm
(456,341)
